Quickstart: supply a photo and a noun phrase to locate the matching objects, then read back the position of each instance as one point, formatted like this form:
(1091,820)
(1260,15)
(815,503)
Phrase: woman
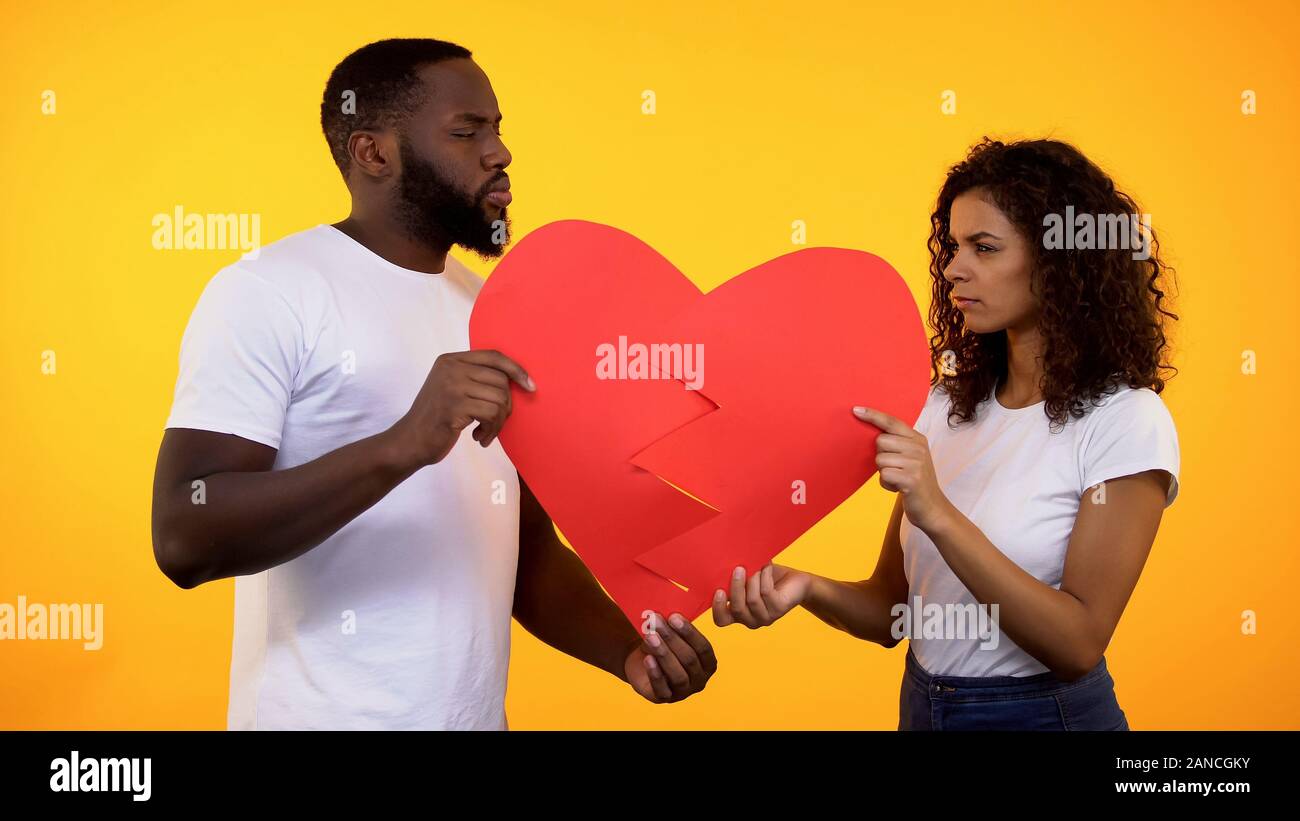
(1032,487)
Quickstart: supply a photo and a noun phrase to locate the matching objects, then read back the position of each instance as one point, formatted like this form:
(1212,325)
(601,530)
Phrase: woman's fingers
(767,589)
(736,601)
(753,602)
(721,615)
(754,599)
(893,460)
(887,423)
(891,479)
(893,443)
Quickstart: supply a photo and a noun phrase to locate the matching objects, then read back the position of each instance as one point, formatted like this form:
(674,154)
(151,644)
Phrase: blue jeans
(1041,702)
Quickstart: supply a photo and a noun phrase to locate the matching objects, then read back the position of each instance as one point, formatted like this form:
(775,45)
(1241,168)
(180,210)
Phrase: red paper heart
(662,489)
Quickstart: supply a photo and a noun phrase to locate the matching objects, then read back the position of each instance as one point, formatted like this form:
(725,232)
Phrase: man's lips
(499,198)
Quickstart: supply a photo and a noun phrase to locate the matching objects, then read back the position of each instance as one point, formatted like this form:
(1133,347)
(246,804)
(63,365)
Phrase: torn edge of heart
(672,484)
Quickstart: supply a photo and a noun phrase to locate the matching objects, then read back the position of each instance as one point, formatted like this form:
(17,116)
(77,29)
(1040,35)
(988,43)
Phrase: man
(314,447)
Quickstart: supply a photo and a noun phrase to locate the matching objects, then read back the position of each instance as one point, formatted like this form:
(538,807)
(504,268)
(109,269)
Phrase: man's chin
(485,253)
(495,238)
(486,249)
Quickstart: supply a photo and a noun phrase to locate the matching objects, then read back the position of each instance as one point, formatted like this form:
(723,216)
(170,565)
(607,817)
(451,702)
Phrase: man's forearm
(250,521)
(560,602)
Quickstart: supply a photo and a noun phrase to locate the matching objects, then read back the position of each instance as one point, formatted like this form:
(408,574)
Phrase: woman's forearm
(861,609)
(1049,624)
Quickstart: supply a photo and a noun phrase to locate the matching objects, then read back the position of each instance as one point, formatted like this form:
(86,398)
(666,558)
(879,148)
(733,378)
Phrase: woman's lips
(500,198)
(963,303)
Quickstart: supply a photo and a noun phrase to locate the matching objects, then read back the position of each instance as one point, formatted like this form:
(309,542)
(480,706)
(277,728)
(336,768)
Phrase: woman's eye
(984,249)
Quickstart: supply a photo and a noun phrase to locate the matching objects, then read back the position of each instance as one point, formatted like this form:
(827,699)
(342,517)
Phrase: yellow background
(829,113)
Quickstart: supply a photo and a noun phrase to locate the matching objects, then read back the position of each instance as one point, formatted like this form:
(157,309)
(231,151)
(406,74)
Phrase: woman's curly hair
(1102,313)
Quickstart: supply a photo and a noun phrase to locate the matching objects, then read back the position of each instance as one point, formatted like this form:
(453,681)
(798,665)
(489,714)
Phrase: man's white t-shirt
(401,619)
(1021,484)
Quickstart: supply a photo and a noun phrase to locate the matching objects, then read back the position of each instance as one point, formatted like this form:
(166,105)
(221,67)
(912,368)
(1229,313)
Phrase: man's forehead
(459,90)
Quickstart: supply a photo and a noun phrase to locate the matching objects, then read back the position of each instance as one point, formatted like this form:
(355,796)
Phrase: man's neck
(390,241)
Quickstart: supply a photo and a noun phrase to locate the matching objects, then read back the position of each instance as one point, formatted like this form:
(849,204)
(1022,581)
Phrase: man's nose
(497,157)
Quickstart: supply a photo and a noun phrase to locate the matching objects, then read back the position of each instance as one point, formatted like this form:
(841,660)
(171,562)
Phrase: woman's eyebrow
(979,235)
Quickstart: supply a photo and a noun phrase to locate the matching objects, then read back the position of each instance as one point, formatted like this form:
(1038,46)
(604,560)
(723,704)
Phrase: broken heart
(662,484)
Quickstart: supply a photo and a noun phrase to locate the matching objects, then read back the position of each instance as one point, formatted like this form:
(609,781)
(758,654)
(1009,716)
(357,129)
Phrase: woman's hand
(767,596)
(903,457)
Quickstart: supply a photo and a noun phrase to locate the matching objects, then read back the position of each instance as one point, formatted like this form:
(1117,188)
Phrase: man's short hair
(385,89)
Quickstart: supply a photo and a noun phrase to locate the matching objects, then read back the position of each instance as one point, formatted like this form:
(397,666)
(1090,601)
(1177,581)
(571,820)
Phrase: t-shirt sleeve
(239,359)
(1133,432)
(936,405)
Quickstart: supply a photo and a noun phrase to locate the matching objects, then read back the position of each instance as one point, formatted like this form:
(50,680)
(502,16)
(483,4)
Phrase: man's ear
(374,153)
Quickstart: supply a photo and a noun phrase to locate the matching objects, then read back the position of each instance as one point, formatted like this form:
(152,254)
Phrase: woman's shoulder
(1125,401)
(1130,430)
(934,414)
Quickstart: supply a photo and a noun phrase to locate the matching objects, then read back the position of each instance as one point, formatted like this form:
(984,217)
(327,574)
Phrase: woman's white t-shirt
(1021,484)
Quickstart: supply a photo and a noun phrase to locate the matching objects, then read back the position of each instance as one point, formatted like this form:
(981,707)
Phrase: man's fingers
(488,393)
(503,363)
(657,681)
(678,679)
(481,411)
(882,420)
(489,416)
(644,687)
(499,396)
(487,375)
(686,657)
(697,641)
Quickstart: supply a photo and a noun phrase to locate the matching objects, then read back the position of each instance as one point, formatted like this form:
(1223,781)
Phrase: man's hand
(672,662)
(465,387)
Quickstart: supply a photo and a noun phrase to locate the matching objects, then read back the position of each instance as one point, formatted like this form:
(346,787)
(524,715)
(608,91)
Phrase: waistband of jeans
(1009,685)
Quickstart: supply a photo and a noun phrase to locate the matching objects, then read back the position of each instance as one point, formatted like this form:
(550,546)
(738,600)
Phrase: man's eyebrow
(476,119)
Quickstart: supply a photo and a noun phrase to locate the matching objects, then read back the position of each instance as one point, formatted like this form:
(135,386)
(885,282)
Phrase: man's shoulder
(462,278)
(297,254)
(290,269)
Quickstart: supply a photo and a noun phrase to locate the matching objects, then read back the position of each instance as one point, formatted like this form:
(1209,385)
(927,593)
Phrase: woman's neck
(1024,369)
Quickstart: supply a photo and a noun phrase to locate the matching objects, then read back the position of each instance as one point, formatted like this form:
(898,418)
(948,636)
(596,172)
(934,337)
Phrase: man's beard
(435,211)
